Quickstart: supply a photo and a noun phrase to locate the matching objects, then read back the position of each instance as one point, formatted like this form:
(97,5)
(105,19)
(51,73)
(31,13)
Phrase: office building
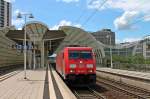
(141,47)
(104,36)
(5,13)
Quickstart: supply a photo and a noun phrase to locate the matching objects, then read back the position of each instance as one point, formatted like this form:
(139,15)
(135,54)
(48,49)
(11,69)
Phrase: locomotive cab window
(73,54)
(86,54)
(80,54)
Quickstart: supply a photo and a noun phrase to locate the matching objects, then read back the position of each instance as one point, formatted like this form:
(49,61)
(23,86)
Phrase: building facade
(140,48)
(104,36)
(5,13)
(48,42)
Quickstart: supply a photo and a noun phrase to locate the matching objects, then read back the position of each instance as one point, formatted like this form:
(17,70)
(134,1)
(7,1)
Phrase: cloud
(125,21)
(133,9)
(118,41)
(17,22)
(67,1)
(9,0)
(95,4)
(77,25)
(65,23)
(128,6)
(16,12)
(20,28)
(131,39)
(147,18)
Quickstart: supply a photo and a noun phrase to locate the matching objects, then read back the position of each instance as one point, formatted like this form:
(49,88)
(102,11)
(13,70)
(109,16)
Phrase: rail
(136,92)
(87,93)
(7,69)
(126,76)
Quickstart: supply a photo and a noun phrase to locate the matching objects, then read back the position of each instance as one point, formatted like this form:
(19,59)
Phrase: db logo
(81,62)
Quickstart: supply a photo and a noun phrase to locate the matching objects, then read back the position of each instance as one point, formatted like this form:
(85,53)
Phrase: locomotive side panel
(59,63)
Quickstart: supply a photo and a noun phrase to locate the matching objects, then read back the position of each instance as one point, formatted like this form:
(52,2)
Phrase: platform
(18,88)
(138,79)
(141,75)
(40,84)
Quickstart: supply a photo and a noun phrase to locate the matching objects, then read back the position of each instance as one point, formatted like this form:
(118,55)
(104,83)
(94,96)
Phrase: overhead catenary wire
(82,13)
(87,20)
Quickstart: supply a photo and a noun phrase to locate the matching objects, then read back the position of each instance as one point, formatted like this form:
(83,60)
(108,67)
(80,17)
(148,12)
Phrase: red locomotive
(77,64)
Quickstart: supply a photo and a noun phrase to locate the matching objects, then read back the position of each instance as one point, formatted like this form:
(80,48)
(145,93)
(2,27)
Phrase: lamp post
(111,65)
(29,15)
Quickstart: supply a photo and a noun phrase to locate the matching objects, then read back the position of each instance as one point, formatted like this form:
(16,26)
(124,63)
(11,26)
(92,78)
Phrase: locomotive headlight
(89,65)
(72,65)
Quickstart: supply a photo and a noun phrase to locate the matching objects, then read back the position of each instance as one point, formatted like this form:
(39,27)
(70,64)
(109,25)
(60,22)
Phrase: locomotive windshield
(85,55)
(74,54)
(80,54)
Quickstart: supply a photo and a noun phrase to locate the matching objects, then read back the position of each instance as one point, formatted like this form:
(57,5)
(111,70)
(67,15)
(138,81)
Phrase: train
(52,60)
(77,65)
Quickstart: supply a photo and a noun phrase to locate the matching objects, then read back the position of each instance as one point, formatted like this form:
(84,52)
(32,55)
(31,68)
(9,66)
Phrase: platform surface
(16,87)
(127,73)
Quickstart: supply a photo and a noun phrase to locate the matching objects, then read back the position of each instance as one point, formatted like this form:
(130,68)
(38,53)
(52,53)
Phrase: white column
(50,46)
(34,56)
(29,55)
(144,49)
(111,54)
(42,54)
(34,60)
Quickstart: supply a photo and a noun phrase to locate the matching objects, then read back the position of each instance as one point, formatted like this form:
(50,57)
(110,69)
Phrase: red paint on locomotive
(74,63)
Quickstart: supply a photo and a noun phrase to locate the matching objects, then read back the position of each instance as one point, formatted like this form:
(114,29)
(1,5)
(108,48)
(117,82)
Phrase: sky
(129,19)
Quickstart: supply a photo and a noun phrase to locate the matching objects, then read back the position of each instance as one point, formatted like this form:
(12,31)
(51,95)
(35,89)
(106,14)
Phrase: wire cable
(87,20)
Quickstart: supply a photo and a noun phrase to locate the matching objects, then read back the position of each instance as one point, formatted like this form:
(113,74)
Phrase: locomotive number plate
(81,65)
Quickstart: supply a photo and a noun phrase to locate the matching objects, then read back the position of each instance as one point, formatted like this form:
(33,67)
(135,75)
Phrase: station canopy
(36,31)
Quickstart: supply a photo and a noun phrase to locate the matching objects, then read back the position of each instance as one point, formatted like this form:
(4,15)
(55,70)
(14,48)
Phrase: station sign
(21,47)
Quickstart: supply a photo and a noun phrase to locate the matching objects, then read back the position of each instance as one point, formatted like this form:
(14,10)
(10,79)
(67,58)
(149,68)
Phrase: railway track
(6,69)
(6,76)
(87,93)
(127,89)
(132,88)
